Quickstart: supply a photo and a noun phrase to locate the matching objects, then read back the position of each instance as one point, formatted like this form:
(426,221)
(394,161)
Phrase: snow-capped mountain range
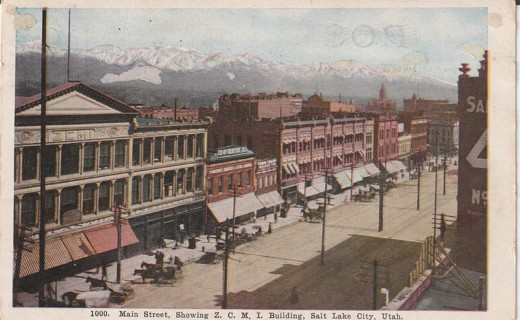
(188,69)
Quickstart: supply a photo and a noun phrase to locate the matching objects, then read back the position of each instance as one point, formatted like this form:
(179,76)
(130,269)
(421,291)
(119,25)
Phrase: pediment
(73,103)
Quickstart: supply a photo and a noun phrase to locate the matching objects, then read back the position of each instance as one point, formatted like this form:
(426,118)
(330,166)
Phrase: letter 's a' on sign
(473,155)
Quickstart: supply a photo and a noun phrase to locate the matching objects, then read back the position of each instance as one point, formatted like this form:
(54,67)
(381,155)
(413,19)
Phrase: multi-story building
(386,137)
(100,155)
(303,149)
(231,186)
(472,195)
(448,137)
(383,104)
(167,112)
(417,126)
(423,106)
(263,106)
(405,146)
(369,140)
(267,186)
(315,105)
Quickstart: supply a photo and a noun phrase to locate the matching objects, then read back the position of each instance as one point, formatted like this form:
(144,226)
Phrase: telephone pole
(418,186)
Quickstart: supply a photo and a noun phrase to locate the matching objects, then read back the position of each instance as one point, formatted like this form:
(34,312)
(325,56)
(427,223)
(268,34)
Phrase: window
(230,182)
(29,163)
(120,154)
(88,198)
(104,196)
(180,147)
(180,182)
(168,184)
(119,192)
(199,145)
(70,159)
(147,151)
(240,180)
(69,200)
(198,178)
(104,155)
(168,148)
(381,134)
(220,183)
(393,132)
(50,161)
(136,152)
(49,206)
(157,186)
(189,180)
(29,210)
(369,137)
(147,195)
(157,150)
(227,140)
(263,182)
(250,142)
(215,142)
(190,146)
(135,190)
(210,186)
(387,133)
(89,157)
(239,140)
(369,154)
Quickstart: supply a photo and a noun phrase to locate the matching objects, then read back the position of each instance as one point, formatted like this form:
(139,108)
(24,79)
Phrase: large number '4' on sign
(473,155)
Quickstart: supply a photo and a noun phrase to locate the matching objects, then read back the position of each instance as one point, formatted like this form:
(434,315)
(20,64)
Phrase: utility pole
(234,208)
(225,267)
(435,198)
(117,221)
(43,120)
(381,200)
(323,222)
(374,286)
(444,179)
(418,186)
(351,177)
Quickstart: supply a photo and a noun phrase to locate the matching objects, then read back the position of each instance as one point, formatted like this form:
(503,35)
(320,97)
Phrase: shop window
(30,163)
(70,159)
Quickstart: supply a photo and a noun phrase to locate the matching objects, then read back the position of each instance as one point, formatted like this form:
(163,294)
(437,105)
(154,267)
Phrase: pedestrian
(159,259)
(276,217)
(442,227)
(104,273)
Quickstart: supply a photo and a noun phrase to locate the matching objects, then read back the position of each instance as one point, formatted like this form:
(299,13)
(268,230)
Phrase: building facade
(417,126)
(100,155)
(383,104)
(315,105)
(386,143)
(167,112)
(424,106)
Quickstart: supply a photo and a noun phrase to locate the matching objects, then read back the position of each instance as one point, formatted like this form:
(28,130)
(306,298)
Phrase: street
(262,273)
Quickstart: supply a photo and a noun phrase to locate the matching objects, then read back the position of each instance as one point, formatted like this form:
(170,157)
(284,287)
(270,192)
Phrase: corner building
(99,154)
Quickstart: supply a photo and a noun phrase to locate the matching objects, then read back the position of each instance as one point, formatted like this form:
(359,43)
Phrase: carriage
(313,214)
(158,273)
(100,295)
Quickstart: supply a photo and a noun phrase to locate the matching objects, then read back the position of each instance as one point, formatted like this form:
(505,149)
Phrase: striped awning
(104,238)
(78,245)
(354,178)
(372,169)
(55,255)
(245,204)
(295,167)
(270,199)
(342,179)
(362,172)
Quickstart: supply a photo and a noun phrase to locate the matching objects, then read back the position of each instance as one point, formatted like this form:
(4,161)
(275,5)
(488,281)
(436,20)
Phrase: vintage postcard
(258,160)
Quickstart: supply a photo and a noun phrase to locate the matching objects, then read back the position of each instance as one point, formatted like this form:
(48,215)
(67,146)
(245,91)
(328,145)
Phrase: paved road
(258,263)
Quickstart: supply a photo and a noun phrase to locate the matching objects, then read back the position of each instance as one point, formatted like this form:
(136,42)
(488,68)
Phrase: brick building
(386,137)
(417,126)
(315,105)
(230,178)
(263,106)
(424,106)
(99,154)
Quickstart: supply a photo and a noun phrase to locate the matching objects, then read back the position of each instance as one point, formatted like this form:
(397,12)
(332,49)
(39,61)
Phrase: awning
(355,178)
(320,185)
(295,167)
(342,179)
(78,246)
(362,172)
(372,169)
(55,255)
(390,168)
(288,169)
(398,164)
(245,204)
(307,192)
(104,238)
(270,199)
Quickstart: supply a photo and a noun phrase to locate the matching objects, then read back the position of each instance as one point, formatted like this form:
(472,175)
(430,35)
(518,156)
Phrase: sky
(434,41)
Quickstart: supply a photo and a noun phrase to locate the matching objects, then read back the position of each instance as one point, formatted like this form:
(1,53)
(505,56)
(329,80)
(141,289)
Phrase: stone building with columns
(100,154)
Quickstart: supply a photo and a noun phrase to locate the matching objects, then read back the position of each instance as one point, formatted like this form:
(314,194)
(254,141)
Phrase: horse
(150,266)
(97,283)
(69,299)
